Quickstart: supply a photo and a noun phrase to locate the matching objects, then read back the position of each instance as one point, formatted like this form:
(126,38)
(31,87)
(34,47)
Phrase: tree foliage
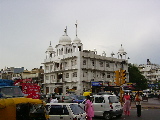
(135,76)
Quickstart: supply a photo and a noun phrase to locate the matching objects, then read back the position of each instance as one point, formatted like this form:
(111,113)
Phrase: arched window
(62,51)
(59,52)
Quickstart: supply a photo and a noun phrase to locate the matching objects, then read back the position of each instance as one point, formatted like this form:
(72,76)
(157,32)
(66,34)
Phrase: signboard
(97,84)
(32,91)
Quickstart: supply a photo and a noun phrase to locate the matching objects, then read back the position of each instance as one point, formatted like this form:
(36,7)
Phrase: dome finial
(65,31)
(76,27)
(50,43)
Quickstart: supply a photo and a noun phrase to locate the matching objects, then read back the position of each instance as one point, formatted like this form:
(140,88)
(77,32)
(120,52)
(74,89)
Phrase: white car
(65,111)
(106,106)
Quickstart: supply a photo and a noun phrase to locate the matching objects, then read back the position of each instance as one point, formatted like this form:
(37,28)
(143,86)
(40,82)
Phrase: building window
(65,64)
(57,65)
(107,64)
(75,62)
(47,77)
(85,74)
(108,75)
(93,62)
(51,67)
(47,67)
(68,50)
(84,62)
(75,74)
(72,63)
(116,64)
(51,77)
(75,88)
(101,63)
(103,75)
(94,74)
(67,75)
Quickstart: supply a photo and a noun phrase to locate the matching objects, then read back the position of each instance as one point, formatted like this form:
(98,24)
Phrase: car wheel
(118,116)
(107,116)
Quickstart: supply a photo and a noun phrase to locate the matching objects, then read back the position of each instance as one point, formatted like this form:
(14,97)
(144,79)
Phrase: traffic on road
(100,102)
(105,106)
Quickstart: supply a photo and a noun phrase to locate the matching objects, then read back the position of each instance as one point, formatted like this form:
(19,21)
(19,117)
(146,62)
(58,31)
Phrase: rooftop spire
(76,27)
(50,43)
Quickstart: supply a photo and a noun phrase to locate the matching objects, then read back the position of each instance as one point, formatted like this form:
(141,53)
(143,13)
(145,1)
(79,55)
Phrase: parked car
(78,98)
(106,106)
(63,98)
(65,111)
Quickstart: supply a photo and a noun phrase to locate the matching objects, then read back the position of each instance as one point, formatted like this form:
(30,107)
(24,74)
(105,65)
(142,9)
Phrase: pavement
(152,103)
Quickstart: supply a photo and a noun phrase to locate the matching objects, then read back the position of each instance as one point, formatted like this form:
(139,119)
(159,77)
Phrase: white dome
(65,39)
(50,48)
(121,49)
(77,40)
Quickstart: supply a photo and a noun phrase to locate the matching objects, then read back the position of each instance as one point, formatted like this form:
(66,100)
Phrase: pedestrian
(138,100)
(127,104)
(89,108)
(54,99)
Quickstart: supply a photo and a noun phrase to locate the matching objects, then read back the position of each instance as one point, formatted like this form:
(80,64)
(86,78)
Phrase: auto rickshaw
(14,106)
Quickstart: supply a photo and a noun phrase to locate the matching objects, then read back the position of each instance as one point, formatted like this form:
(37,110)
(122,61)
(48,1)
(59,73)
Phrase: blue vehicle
(78,98)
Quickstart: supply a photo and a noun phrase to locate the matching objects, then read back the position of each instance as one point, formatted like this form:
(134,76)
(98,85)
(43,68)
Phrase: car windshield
(80,97)
(10,92)
(113,99)
(76,109)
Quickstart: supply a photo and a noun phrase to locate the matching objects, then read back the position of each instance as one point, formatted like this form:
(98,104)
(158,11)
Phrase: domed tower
(65,39)
(77,45)
(64,45)
(50,52)
(121,53)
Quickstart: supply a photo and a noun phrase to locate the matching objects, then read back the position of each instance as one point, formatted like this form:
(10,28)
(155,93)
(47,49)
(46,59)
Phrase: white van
(106,106)
(65,111)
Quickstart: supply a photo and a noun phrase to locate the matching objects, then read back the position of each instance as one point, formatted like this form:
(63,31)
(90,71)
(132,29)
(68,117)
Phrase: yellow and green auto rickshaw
(13,106)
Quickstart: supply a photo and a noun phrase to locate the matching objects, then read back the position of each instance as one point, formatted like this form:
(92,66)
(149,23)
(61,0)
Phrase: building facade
(69,68)
(150,71)
(11,72)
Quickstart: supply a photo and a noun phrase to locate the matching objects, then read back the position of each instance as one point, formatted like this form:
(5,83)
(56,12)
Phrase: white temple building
(150,71)
(69,68)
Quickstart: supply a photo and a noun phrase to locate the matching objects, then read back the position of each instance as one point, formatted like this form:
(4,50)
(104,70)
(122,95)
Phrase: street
(150,111)
(147,114)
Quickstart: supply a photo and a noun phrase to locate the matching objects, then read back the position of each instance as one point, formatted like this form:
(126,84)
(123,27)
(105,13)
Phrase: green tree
(135,76)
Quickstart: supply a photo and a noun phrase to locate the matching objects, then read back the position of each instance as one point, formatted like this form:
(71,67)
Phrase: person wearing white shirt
(138,100)
(54,100)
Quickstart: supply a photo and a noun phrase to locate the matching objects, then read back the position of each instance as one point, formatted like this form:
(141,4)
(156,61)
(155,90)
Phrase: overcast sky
(28,26)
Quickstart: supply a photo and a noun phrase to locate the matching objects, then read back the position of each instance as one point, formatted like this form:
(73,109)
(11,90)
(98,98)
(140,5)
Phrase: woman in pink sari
(127,104)
(89,108)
